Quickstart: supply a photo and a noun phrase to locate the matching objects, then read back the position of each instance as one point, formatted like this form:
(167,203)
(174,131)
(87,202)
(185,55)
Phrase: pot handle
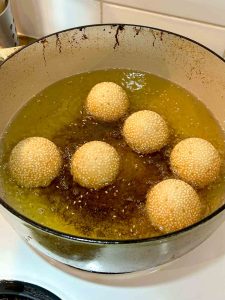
(5,52)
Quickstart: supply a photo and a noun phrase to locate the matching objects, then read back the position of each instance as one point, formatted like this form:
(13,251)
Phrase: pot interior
(112,46)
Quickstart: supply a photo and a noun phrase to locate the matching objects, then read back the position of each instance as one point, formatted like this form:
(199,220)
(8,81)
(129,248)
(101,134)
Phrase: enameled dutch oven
(83,49)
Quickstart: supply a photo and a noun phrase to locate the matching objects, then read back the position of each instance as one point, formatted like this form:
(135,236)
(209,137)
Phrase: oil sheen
(117,211)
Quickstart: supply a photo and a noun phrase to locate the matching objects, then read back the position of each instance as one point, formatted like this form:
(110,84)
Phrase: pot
(83,49)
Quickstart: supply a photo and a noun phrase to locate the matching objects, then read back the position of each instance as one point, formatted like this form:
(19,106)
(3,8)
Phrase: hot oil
(117,211)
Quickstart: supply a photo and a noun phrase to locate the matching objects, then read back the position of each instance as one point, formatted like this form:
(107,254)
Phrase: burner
(18,290)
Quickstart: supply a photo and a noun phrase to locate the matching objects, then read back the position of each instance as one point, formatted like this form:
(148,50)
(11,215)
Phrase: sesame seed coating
(173,204)
(145,131)
(95,165)
(196,161)
(35,162)
(107,101)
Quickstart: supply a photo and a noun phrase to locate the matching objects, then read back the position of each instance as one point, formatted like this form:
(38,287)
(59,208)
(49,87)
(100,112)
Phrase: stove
(197,275)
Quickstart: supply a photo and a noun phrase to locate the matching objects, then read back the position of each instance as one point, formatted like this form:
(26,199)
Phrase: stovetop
(198,275)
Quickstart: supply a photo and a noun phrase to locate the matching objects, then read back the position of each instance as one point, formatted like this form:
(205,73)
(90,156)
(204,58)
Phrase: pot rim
(101,241)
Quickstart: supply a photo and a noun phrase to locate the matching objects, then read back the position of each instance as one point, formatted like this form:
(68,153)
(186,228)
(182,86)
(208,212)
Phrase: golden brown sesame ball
(95,165)
(35,162)
(173,204)
(196,161)
(145,131)
(107,101)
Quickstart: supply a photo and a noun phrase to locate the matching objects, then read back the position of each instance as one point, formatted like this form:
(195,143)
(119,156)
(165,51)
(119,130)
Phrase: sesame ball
(35,162)
(107,101)
(145,131)
(95,165)
(173,204)
(196,161)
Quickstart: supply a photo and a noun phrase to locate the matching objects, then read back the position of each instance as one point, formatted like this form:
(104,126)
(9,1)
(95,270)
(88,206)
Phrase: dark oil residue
(117,211)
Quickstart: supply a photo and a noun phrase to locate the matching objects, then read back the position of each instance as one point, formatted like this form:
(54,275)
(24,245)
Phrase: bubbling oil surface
(117,211)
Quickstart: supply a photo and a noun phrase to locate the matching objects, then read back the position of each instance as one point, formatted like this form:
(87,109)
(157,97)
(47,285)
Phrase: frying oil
(117,211)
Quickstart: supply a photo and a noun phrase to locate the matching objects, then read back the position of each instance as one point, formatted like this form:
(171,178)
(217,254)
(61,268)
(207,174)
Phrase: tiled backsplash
(199,10)
(201,20)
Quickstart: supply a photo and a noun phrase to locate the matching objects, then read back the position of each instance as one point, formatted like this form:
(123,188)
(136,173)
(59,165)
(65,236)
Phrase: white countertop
(199,275)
